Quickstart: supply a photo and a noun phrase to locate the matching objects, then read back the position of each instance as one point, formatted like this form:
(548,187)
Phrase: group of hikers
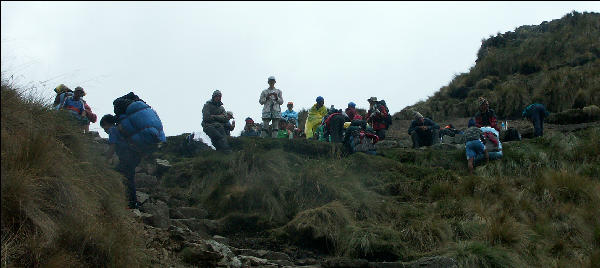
(481,138)
(333,125)
(135,130)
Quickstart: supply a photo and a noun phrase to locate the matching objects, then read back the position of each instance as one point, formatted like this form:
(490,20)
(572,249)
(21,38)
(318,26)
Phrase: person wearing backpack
(271,99)
(423,131)
(214,118)
(333,126)
(62,92)
(377,117)
(75,104)
(129,159)
(535,113)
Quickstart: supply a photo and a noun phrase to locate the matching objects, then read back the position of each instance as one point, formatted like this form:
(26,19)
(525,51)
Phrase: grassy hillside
(62,206)
(556,63)
(539,206)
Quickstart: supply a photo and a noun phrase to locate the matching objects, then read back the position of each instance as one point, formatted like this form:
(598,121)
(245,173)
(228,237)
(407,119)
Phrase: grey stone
(221,239)
(252,261)
(433,262)
(160,214)
(199,225)
(145,181)
(387,265)
(346,263)
(282,262)
(142,197)
(189,213)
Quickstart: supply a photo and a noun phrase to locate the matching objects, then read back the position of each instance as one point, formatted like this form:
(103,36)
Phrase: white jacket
(271,107)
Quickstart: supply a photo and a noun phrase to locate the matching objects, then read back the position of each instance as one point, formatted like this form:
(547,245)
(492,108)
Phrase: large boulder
(188,213)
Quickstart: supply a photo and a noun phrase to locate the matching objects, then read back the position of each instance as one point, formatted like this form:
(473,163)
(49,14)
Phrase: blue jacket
(290,114)
(531,107)
(141,126)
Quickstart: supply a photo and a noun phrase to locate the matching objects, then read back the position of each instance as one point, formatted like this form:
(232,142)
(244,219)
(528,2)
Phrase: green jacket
(213,114)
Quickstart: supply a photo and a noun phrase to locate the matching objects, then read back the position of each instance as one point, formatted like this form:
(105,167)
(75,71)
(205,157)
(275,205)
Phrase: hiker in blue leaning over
(536,113)
(133,133)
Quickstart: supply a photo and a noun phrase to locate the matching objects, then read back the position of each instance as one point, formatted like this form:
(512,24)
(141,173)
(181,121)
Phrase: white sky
(174,54)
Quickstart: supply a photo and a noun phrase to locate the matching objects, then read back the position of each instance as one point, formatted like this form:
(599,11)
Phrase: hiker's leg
(265,129)
(535,118)
(337,125)
(128,161)
(223,139)
(542,112)
(274,127)
(415,139)
(381,134)
(435,136)
(215,137)
(470,164)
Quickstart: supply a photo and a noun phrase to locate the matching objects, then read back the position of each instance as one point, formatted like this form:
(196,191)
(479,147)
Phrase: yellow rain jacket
(315,116)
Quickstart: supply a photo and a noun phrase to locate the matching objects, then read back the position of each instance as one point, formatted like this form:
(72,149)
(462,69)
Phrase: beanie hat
(351,104)
(319,98)
(217,93)
(418,115)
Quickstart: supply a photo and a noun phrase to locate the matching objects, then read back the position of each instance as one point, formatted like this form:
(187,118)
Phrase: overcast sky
(174,54)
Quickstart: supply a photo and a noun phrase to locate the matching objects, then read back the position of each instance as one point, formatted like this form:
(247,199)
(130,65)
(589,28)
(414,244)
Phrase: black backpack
(512,134)
(388,118)
(121,103)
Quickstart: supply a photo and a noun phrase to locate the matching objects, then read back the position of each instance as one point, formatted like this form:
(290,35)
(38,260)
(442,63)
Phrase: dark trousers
(425,137)
(336,128)
(217,137)
(128,161)
(537,118)
(380,133)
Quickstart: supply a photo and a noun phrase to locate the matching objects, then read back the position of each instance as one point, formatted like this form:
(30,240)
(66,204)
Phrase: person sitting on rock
(250,129)
(315,116)
(423,131)
(290,114)
(214,118)
(229,125)
(486,117)
(535,113)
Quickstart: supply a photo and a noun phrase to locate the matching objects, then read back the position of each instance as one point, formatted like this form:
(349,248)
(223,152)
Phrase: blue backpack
(141,126)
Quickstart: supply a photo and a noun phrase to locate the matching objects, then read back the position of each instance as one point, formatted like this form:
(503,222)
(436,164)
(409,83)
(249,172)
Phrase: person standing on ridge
(376,116)
(315,117)
(271,99)
(214,119)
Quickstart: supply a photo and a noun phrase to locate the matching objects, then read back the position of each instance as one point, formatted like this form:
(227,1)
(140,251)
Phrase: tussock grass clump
(61,204)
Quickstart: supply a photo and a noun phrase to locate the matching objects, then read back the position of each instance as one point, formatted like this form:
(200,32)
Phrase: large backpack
(121,103)
(472,133)
(388,118)
(356,139)
(511,134)
(140,125)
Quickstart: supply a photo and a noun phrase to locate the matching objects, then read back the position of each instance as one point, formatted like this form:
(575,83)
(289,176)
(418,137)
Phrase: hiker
(62,91)
(485,116)
(250,130)
(360,138)
(289,114)
(535,113)
(88,111)
(333,126)
(351,112)
(134,132)
(377,117)
(474,148)
(286,130)
(315,117)
(491,140)
(423,131)
(229,125)
(214,118)
(271,100)
(77,107)
(129,159)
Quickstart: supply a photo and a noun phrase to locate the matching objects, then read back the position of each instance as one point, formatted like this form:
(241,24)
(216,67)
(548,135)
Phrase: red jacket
(487,119)
(90,116)
(377,120)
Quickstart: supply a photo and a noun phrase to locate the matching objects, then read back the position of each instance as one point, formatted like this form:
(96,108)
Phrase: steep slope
(556,63)
(62,206)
